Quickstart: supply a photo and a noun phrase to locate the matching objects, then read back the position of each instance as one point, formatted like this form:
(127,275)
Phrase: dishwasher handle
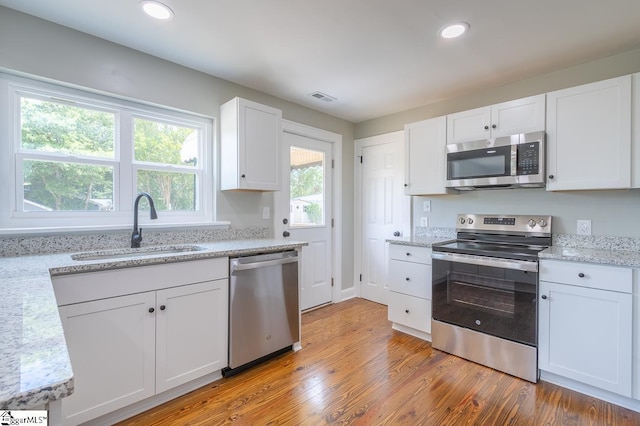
(262,264)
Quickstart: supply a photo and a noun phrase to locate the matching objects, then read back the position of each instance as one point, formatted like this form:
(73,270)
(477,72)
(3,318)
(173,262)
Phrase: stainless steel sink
(124,253)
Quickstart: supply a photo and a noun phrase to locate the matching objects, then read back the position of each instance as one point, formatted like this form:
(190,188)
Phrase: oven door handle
(486,261)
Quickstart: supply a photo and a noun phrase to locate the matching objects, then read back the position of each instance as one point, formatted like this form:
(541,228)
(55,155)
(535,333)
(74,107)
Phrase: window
(79,159)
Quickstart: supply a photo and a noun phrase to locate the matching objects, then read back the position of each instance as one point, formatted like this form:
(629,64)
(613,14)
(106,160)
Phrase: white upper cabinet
(635,128)
(250,146)
(504,119)
(425,158)
(589,136)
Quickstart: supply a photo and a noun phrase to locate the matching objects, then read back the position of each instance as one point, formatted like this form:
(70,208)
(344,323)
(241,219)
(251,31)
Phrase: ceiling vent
(323,97)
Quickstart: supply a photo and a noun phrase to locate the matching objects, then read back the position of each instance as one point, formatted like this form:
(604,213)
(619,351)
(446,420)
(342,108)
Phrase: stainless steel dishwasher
(264,313)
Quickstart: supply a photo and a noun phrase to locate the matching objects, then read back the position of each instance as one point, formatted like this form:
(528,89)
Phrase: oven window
(491,300)
(479,163)
(493,295)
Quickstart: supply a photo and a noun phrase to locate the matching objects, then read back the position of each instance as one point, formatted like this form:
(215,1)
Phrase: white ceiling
(375,56)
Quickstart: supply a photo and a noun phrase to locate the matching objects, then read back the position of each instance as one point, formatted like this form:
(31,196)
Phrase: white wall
(612,213)
(35,47)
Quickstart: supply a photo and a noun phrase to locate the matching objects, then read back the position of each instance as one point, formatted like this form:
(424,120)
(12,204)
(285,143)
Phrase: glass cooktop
(504,251)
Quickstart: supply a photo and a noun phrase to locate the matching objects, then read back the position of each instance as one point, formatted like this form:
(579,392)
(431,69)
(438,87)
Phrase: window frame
(125,167)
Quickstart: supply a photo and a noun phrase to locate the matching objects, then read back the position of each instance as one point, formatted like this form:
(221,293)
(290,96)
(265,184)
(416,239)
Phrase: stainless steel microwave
(516,161)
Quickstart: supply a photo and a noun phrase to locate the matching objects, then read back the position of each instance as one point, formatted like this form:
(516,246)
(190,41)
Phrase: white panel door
(307,199)
(384,212)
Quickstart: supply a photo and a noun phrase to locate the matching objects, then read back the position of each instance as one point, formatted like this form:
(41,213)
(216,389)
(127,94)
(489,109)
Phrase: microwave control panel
(528,158)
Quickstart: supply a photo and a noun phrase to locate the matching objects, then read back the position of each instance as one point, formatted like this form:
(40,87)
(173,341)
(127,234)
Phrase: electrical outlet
(584,226)
(426,206)
(266,212)
(424,221)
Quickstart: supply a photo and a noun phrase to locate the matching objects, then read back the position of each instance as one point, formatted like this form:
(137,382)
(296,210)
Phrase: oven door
(489,295)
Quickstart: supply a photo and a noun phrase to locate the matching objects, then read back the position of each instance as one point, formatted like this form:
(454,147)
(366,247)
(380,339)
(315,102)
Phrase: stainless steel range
(485,287)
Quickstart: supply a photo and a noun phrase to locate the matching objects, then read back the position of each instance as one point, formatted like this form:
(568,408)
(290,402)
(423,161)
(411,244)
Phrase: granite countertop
(418,241)
(34,361)
(593,255)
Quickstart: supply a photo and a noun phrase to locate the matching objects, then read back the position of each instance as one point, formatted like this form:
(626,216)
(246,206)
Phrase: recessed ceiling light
(454,30)
(157,10)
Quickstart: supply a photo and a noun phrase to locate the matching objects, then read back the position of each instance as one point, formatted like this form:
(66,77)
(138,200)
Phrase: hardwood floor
(354,369)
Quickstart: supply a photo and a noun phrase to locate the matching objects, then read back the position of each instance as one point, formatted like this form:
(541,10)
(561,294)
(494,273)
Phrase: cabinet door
(425,157)
(250,146)
(469,125)
(518,116)
(585,335)
(112,349)
(589,136)
(191,332)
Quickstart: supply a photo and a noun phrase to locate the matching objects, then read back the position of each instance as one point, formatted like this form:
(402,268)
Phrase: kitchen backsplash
(596,242)
(31,245)
(425,231)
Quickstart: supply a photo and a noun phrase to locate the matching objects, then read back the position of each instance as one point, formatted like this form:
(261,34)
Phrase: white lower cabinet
(126,348)
(410,289)
(585,327)
(111,345)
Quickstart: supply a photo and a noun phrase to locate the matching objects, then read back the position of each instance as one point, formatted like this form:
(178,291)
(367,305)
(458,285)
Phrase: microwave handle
(514,160)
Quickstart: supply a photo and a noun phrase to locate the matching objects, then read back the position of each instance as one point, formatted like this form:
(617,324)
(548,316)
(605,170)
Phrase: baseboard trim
(411,331)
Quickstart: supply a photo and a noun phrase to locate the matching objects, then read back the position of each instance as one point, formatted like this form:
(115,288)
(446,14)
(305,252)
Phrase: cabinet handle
(581,275)
(406,311)
(163,307)
(551,176)
(408,279)
(486,127)
(408,254)
(406,184)
(396,234)
(243,176)
(544,296)
(151,310)
(493,126)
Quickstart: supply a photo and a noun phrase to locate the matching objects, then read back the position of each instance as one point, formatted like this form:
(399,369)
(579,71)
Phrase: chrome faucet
(136,236)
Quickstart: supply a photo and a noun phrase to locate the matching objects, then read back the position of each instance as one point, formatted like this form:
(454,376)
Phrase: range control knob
(542,223)
(462,220)
(532,223)
(470,221)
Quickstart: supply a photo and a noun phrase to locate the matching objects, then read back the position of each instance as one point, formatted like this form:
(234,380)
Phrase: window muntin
(87,143)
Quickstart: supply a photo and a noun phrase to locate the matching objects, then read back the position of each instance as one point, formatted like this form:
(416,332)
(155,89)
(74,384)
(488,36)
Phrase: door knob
(396,234)
(286,234)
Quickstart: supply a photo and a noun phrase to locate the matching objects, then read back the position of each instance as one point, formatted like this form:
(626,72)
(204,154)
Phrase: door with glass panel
(307,215)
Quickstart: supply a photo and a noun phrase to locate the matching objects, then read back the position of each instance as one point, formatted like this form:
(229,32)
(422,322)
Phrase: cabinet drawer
(587,275)
(410,253)
(410,311)
(410,278)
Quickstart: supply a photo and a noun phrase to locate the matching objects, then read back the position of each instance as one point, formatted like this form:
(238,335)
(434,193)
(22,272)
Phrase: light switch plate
(424,221)
(584,226)
(426,206)
(266,212)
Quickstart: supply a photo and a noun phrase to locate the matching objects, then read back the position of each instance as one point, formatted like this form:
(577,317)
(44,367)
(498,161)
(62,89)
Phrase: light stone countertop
(418,241)
(34,361)
(592,255)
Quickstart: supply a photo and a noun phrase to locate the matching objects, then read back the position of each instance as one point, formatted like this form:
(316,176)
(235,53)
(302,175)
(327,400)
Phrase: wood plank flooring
(355,370)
